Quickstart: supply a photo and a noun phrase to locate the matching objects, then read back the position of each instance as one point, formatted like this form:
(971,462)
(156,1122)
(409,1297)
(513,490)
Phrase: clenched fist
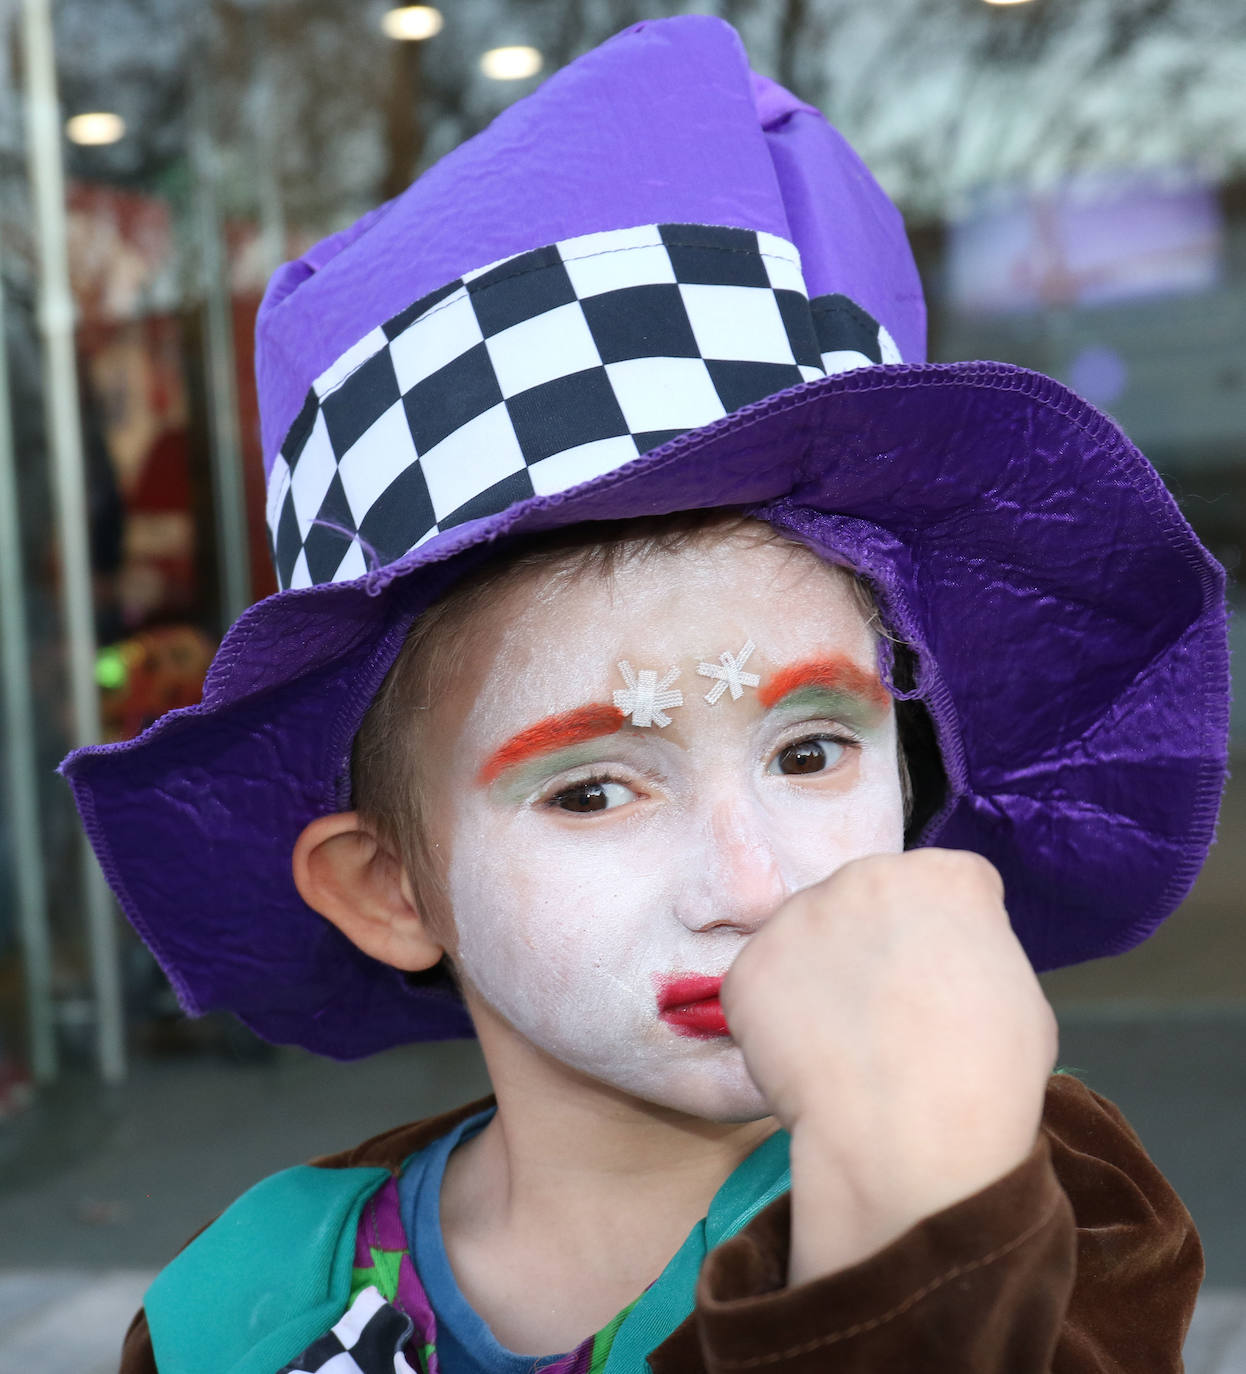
(895,1027)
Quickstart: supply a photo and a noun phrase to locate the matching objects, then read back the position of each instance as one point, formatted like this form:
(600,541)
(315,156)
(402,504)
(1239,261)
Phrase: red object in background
(263,576)
(160,529)
(164,481)
(164,668)
(123,259)
(126,271)
(17,1092)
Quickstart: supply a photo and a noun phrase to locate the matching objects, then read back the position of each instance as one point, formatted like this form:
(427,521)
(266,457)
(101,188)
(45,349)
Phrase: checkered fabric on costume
(538,373)
(368,1340)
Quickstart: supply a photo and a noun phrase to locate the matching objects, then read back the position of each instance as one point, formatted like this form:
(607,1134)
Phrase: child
(719,715)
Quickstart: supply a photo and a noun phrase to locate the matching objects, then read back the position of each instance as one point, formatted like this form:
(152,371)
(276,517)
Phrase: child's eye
(808,756)
(592,796)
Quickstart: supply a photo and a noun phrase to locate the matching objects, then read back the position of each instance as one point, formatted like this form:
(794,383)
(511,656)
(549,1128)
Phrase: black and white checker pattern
(848,337)
(538,373)
(369,1339)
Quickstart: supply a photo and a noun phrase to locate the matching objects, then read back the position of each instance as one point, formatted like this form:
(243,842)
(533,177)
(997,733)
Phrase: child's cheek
(816,831)
(567,941)
(549,925)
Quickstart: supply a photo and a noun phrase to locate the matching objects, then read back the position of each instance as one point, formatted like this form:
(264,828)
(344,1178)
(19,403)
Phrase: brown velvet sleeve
(1082,1260)
(1139,1258)
(136,1352)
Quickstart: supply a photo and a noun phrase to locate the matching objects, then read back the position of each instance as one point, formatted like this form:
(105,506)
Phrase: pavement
(66,1321)
(71,1321)
(99,1187)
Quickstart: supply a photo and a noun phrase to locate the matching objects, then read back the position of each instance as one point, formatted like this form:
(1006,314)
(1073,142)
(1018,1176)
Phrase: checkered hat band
(539,373)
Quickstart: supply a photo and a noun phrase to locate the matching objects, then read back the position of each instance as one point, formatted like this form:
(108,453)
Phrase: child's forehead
(555,638)
(702,578)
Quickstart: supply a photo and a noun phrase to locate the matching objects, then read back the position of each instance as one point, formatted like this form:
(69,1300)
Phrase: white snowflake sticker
(645,699)
(730,674)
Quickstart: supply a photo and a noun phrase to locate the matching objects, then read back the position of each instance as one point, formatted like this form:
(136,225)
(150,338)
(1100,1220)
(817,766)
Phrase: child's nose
(737,883)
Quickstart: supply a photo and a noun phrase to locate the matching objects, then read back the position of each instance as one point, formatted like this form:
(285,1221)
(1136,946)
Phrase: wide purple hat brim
(1069,631)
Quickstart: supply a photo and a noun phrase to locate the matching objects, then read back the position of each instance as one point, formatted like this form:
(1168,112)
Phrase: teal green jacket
(273,1272)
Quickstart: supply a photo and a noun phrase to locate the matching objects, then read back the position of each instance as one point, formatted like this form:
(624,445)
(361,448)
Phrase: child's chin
(723,1093)
(735,1108)
(724,1109)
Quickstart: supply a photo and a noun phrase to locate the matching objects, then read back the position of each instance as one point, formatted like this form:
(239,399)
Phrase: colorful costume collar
(270,1279)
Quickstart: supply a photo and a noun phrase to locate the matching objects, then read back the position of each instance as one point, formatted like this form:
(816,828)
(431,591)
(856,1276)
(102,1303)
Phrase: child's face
(584,875)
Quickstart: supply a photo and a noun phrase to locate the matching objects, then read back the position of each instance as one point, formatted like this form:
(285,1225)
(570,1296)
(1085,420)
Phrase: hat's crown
(623,256)
(540,373)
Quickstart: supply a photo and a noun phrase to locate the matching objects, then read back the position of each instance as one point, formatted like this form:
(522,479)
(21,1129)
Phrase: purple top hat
(661,283)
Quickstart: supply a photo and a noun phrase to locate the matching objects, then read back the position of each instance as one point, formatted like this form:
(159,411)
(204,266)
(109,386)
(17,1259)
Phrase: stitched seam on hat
(675,243)
(84,796)
(911,1301)
(453,297)
(362,691)
(1206,804)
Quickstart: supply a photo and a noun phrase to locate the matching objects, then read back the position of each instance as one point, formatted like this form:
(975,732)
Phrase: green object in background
(110,669)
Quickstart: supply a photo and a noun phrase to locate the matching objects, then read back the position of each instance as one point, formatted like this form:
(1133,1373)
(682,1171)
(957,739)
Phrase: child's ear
(344,872)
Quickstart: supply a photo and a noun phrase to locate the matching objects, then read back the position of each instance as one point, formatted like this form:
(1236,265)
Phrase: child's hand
(895,1027)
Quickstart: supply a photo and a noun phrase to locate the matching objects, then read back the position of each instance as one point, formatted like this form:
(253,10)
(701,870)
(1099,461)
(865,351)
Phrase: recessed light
(95,128)
(511,64)
(412,23)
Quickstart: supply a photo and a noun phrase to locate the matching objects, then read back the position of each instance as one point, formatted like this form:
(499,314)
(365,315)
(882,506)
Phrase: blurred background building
(1073,173)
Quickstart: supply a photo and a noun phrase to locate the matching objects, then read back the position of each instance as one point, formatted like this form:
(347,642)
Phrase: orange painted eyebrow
(554,732)
(837,674)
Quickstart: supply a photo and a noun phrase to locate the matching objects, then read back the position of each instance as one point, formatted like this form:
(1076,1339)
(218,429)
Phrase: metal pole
(56,319)
(272,211)
(19,739)
(232,548)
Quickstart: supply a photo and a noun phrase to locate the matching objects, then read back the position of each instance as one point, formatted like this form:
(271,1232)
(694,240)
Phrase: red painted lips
(690,1006)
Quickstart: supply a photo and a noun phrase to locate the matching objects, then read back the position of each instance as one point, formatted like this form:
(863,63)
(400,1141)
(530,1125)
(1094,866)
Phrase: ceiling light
(1007,2)
(511,64)
(95,129)
(412,23)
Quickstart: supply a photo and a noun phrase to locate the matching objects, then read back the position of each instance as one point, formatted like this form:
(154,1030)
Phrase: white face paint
(568,921)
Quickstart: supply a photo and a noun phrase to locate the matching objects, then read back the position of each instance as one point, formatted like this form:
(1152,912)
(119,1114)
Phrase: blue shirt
(465,1345)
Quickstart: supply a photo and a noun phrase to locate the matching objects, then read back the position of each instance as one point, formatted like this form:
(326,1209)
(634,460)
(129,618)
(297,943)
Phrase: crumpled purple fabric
(1068,627)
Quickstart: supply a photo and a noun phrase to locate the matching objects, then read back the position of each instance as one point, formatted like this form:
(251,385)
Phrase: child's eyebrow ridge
(554,732)
(836,674)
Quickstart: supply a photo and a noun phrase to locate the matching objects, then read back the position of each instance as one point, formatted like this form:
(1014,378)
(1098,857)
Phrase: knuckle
(870,873)
(964,866)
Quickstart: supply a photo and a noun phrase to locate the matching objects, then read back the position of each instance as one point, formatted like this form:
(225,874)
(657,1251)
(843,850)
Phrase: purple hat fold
(661,283)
